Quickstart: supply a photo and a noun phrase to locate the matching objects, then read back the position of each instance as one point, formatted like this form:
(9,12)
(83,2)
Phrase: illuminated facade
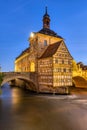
(55,67)
(48,56)
(79,69)
(22,62)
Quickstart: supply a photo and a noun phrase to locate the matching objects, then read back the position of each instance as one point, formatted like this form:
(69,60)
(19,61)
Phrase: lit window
(32,67)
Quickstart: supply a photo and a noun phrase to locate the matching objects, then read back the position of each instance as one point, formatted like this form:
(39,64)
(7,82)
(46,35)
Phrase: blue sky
(18,18)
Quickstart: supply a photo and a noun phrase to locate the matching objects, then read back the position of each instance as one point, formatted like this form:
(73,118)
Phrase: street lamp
(32,34)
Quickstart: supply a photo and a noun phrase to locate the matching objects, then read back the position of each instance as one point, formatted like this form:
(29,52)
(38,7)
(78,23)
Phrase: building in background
(47,56)
(79,69)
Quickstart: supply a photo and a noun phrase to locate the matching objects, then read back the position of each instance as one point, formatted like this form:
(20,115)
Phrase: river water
(22,110)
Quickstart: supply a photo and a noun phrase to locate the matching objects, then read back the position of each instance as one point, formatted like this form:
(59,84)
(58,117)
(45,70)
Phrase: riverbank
(75,90)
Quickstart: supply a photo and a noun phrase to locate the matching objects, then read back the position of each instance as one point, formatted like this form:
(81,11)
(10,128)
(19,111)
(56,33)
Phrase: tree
(1,79)
(74,66)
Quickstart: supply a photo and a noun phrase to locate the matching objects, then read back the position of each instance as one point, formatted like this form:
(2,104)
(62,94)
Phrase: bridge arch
(79,82)
(20,77)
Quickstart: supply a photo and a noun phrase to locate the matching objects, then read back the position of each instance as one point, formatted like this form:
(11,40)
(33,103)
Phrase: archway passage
(79,82)
(21,82)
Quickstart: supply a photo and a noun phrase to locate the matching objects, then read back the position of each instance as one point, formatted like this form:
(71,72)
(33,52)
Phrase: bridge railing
(16,73)
(31,75)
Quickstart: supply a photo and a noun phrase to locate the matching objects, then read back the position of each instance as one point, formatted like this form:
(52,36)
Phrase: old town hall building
(47,56)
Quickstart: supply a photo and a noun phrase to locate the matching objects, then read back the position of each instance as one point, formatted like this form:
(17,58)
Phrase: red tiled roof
(51,50)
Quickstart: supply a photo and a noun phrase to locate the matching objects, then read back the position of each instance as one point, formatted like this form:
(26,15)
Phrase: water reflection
(6,91)
(13,94)
(12,91)
(21,110)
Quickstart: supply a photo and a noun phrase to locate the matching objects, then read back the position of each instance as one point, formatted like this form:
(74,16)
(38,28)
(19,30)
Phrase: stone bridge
(80,81)
(25,79)
(29,80)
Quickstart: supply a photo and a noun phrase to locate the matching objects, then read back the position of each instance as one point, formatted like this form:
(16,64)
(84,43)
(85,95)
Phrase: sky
(18,18)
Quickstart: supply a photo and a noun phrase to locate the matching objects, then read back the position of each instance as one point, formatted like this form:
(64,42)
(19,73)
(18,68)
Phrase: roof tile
(51,50)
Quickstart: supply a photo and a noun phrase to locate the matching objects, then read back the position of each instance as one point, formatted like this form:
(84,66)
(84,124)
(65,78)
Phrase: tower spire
(46,19)
(46,9)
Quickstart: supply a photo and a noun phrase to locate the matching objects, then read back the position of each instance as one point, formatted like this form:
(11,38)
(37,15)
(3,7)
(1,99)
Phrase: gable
(63,51)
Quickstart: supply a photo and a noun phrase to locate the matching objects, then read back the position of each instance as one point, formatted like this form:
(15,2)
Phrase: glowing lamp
(32,34)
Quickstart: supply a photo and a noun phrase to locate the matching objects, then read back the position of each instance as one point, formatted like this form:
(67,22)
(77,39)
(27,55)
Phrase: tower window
(45,42)
(47,23)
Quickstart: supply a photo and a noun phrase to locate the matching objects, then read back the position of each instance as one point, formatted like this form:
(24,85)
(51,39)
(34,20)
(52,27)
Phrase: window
(69,62)
(56,61)
(64,70)
(45,42)
(32,67)
(59,69)
(62,61)
(47,22)
(70,70)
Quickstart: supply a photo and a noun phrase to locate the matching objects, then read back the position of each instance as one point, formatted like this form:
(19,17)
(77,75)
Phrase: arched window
(32,67)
